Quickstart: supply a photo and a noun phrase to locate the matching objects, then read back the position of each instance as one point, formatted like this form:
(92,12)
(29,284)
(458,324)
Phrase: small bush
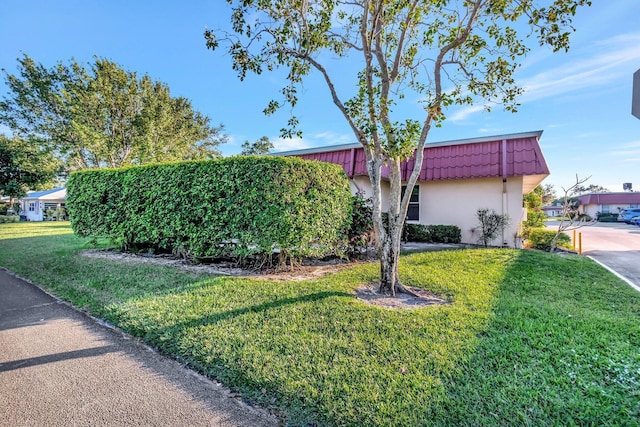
(541,238)
(360,232)
(585,217)
(491,224)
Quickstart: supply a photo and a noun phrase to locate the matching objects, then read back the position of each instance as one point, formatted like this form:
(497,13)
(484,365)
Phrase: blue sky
(581,99)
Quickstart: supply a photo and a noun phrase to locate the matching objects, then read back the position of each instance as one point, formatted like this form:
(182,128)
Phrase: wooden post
(574,240)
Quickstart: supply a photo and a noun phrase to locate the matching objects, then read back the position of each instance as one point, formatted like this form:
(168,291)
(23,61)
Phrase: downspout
(504,186)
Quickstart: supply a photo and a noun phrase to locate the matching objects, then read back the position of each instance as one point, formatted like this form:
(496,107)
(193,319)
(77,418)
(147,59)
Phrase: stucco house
(36,204)
(552,210)
(594,203)
(457,178)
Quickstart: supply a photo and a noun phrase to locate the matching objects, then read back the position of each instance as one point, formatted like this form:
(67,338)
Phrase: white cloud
(610,62)
(332,138)
(493,131)
(607,65)
(282,144)
(320,139)
(632,144)
(628,154)
(630,151)
(463,113)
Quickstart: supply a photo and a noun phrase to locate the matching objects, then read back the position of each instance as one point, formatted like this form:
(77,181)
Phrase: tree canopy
(259,147)
(591,188)
(104,116)
(24,166)
(440,52)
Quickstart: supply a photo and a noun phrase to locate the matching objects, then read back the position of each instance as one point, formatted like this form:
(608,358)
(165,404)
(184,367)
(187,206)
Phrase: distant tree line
(101,115)
(75,116)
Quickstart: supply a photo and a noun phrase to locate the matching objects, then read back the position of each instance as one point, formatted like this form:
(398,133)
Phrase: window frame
(414,203)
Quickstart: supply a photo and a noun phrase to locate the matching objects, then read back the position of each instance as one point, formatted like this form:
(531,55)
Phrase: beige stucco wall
(362,184)
(592,209)
(456,203)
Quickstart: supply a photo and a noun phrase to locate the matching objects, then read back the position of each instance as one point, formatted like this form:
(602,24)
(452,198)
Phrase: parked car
(627,214)
(635,221)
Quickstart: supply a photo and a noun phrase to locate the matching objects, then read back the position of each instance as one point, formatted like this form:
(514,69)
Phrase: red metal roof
(610,199)
(499,156)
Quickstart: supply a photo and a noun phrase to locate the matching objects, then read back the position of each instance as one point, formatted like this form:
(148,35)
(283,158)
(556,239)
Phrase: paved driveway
(616,245)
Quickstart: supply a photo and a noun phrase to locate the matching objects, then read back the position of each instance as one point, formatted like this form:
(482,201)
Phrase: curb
(618,275)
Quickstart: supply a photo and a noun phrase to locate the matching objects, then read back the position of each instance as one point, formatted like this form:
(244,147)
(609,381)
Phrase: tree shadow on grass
(536,362)
(214,318)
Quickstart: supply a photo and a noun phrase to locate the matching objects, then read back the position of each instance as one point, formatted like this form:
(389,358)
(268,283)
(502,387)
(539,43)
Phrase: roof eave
(326,149)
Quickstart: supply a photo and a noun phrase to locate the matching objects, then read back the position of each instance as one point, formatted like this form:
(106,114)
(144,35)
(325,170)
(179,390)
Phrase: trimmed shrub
(432,233)
(608,217)
(541,238)
(9,218)
(444,233)
(415,233)
(234,207)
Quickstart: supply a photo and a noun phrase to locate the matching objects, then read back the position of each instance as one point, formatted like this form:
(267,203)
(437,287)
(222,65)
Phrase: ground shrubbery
(9,218)
(432,233)
(245,208)
(541,238)
(361,232)
(608,217)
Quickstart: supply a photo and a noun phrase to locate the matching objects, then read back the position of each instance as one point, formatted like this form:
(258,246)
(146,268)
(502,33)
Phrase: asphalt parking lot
(615,245)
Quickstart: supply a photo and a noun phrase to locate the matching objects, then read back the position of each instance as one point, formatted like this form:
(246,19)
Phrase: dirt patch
(368,294)
(311,269)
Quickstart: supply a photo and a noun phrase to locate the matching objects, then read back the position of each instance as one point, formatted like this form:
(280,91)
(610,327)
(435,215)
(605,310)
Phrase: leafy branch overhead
(441,53)
(104,116)
(446,52)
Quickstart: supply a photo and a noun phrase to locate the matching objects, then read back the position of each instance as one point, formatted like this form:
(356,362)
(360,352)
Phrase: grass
(529,338)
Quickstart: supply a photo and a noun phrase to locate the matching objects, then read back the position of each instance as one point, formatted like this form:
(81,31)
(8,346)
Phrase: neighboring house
(595,203)
(552,210)
(36,204)
(457,178)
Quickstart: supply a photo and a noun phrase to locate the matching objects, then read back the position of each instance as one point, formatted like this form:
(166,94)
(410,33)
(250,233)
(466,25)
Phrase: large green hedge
(232,207)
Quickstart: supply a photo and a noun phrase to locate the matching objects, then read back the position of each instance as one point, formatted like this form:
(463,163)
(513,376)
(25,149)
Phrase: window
(413,213)
(32,207)
(606,209)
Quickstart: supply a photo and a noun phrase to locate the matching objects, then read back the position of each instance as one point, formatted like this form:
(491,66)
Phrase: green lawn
(528,338)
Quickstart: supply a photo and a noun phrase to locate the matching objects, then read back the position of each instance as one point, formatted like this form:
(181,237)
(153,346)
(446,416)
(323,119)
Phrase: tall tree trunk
(389,262)
(389,234)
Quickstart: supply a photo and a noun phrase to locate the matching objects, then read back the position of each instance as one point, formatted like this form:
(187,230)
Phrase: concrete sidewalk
(59,367)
